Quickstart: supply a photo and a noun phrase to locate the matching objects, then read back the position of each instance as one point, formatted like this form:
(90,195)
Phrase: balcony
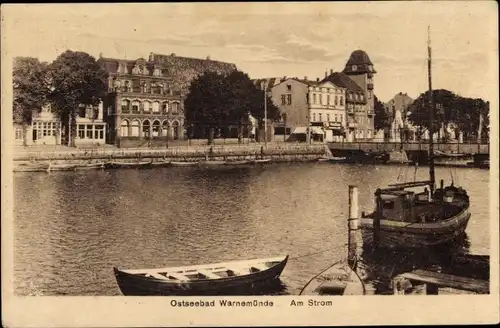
(370,112)
(370,86)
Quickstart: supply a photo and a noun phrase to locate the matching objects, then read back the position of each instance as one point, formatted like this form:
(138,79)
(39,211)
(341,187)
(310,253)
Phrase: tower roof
(359,62)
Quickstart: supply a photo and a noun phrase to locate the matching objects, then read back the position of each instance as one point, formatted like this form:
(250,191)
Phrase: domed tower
(360,69)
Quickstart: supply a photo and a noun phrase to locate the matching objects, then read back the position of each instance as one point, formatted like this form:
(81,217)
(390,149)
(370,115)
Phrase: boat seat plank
(156,275)
(448,280)
(209,274)
(178,276)
(260,266)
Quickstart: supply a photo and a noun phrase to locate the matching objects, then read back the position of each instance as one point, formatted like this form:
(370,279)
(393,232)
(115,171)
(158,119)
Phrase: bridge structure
(385,147)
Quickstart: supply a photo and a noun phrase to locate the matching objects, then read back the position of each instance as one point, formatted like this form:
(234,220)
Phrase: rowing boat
(261,161)
(339,279)
(162,163)
(238,162)
(91,166)
(212,163)
(208,279)
(129,165)
(183,163)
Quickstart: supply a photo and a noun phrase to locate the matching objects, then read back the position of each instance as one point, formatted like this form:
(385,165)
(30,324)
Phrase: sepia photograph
(264,158)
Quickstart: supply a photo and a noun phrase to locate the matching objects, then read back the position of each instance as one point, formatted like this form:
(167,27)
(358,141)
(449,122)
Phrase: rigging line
(316,276)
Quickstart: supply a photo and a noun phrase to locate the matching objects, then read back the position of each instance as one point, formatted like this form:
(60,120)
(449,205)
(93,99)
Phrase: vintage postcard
(238,164)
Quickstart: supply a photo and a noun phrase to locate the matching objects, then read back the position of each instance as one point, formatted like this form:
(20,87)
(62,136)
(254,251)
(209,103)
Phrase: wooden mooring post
(353,220)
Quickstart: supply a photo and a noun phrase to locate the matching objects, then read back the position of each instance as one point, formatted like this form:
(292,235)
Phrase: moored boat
(212,163)
(91,166)
(413,219)
(207,279)
(162,163)
(176,163)
(30,167)
(129,165)
(261,161)
(61,167)
(339,279)
(238,162)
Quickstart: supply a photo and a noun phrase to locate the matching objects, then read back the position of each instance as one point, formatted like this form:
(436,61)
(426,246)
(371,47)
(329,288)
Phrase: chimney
(208,57)
(305,78)
(317,79)
(331,71)
(326,74)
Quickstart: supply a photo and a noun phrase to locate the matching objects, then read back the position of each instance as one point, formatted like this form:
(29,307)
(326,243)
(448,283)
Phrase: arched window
(164,108)
(125,106)
(124,128)
(341,101)
(175,108)
(146,129)
(135,128)
(164,128)
(176,130)
(146,106)
(156,107)
(156,128)
(135,106)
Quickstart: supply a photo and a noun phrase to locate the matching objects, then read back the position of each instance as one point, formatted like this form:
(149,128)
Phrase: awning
(300,130)
(317,130)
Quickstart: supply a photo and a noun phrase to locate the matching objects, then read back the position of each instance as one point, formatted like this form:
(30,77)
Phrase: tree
(31,88)
(218,101)
(382,120)
(77,79)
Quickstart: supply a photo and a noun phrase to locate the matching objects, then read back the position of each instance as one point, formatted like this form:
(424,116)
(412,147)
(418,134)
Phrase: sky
(280,39)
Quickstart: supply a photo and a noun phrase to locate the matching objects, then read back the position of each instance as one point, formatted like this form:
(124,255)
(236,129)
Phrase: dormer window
(289,88)
(157,72)
(354,68)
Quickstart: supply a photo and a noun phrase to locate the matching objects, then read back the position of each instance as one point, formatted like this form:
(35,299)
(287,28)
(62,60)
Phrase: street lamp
(263,85)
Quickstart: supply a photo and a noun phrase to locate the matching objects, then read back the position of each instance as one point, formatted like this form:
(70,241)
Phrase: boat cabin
(397,205)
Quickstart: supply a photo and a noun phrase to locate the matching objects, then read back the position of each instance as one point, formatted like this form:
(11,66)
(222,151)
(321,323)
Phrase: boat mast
(432,177)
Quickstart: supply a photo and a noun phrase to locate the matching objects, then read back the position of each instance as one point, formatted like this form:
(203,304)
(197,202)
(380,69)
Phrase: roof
(361,60)
(344,81)
(180,70)
(269,82)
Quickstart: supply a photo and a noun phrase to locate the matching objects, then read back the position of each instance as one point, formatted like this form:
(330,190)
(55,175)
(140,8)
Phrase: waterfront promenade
(459,148)
(62,153)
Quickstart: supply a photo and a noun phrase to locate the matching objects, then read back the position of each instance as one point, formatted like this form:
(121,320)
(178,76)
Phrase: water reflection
(71,228)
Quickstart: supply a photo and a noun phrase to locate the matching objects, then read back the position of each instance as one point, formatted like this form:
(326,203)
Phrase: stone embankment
(275,152)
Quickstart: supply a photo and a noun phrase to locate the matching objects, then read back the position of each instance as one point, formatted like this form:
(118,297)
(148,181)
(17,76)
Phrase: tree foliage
(77,79)
(30,89)
(463,112)
(382,118)
(217,101)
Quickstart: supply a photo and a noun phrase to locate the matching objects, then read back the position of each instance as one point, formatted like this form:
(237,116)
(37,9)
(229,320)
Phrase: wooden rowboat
(209,279)
(261,161)
(212,163)
(30,167)
(91,166)
(61,167)
(242,162)
(129,165)
(183,163)
(162,163)
(339,279)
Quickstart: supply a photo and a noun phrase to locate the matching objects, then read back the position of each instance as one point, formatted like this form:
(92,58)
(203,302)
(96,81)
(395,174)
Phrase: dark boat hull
(134,285)
(137,166)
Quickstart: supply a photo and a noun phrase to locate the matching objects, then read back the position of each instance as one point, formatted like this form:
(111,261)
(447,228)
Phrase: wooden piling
(353,220)
(377,218)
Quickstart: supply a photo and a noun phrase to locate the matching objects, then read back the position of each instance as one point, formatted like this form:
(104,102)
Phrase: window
(283,99)
(156,107)
(314,98)
(320,118)
(175,127)
(135,128)
(320,99)
(165,108)
(164,128)
(369,94)
(388,205)
(145,128)
(100,129)
(89,131)
(96,133)
(144,87)
(146,106)
(289,88)
(354,68)
(341,101)
(135,106)
(328,100)
(125,106)
(81,131)
(289,99)
(124,128)
(328,117)
(175,108)
(336,101)
(19,134)
(314,117)
(156,128)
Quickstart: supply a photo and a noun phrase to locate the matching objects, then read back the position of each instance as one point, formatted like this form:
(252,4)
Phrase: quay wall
(462,148)
(278,152)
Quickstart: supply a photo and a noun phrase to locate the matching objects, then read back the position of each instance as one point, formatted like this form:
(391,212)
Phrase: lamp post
(265,112)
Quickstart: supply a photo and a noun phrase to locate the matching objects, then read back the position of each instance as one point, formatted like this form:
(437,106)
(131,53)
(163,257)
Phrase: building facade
(45,129)
(357,79)
(398,110)
(145,102)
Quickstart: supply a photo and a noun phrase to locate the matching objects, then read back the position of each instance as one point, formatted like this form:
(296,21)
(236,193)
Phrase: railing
(460,148)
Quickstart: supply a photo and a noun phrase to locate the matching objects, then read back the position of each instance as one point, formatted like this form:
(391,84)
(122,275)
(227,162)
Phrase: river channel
(71,228)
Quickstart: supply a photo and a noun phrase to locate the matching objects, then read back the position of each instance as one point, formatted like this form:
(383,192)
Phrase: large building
(309,109)
(357,79)
(145,102)
(398,110)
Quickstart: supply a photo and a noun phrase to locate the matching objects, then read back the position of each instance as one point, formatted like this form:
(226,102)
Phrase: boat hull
(395,234)
(338,280)
(136,285)
(137,166)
